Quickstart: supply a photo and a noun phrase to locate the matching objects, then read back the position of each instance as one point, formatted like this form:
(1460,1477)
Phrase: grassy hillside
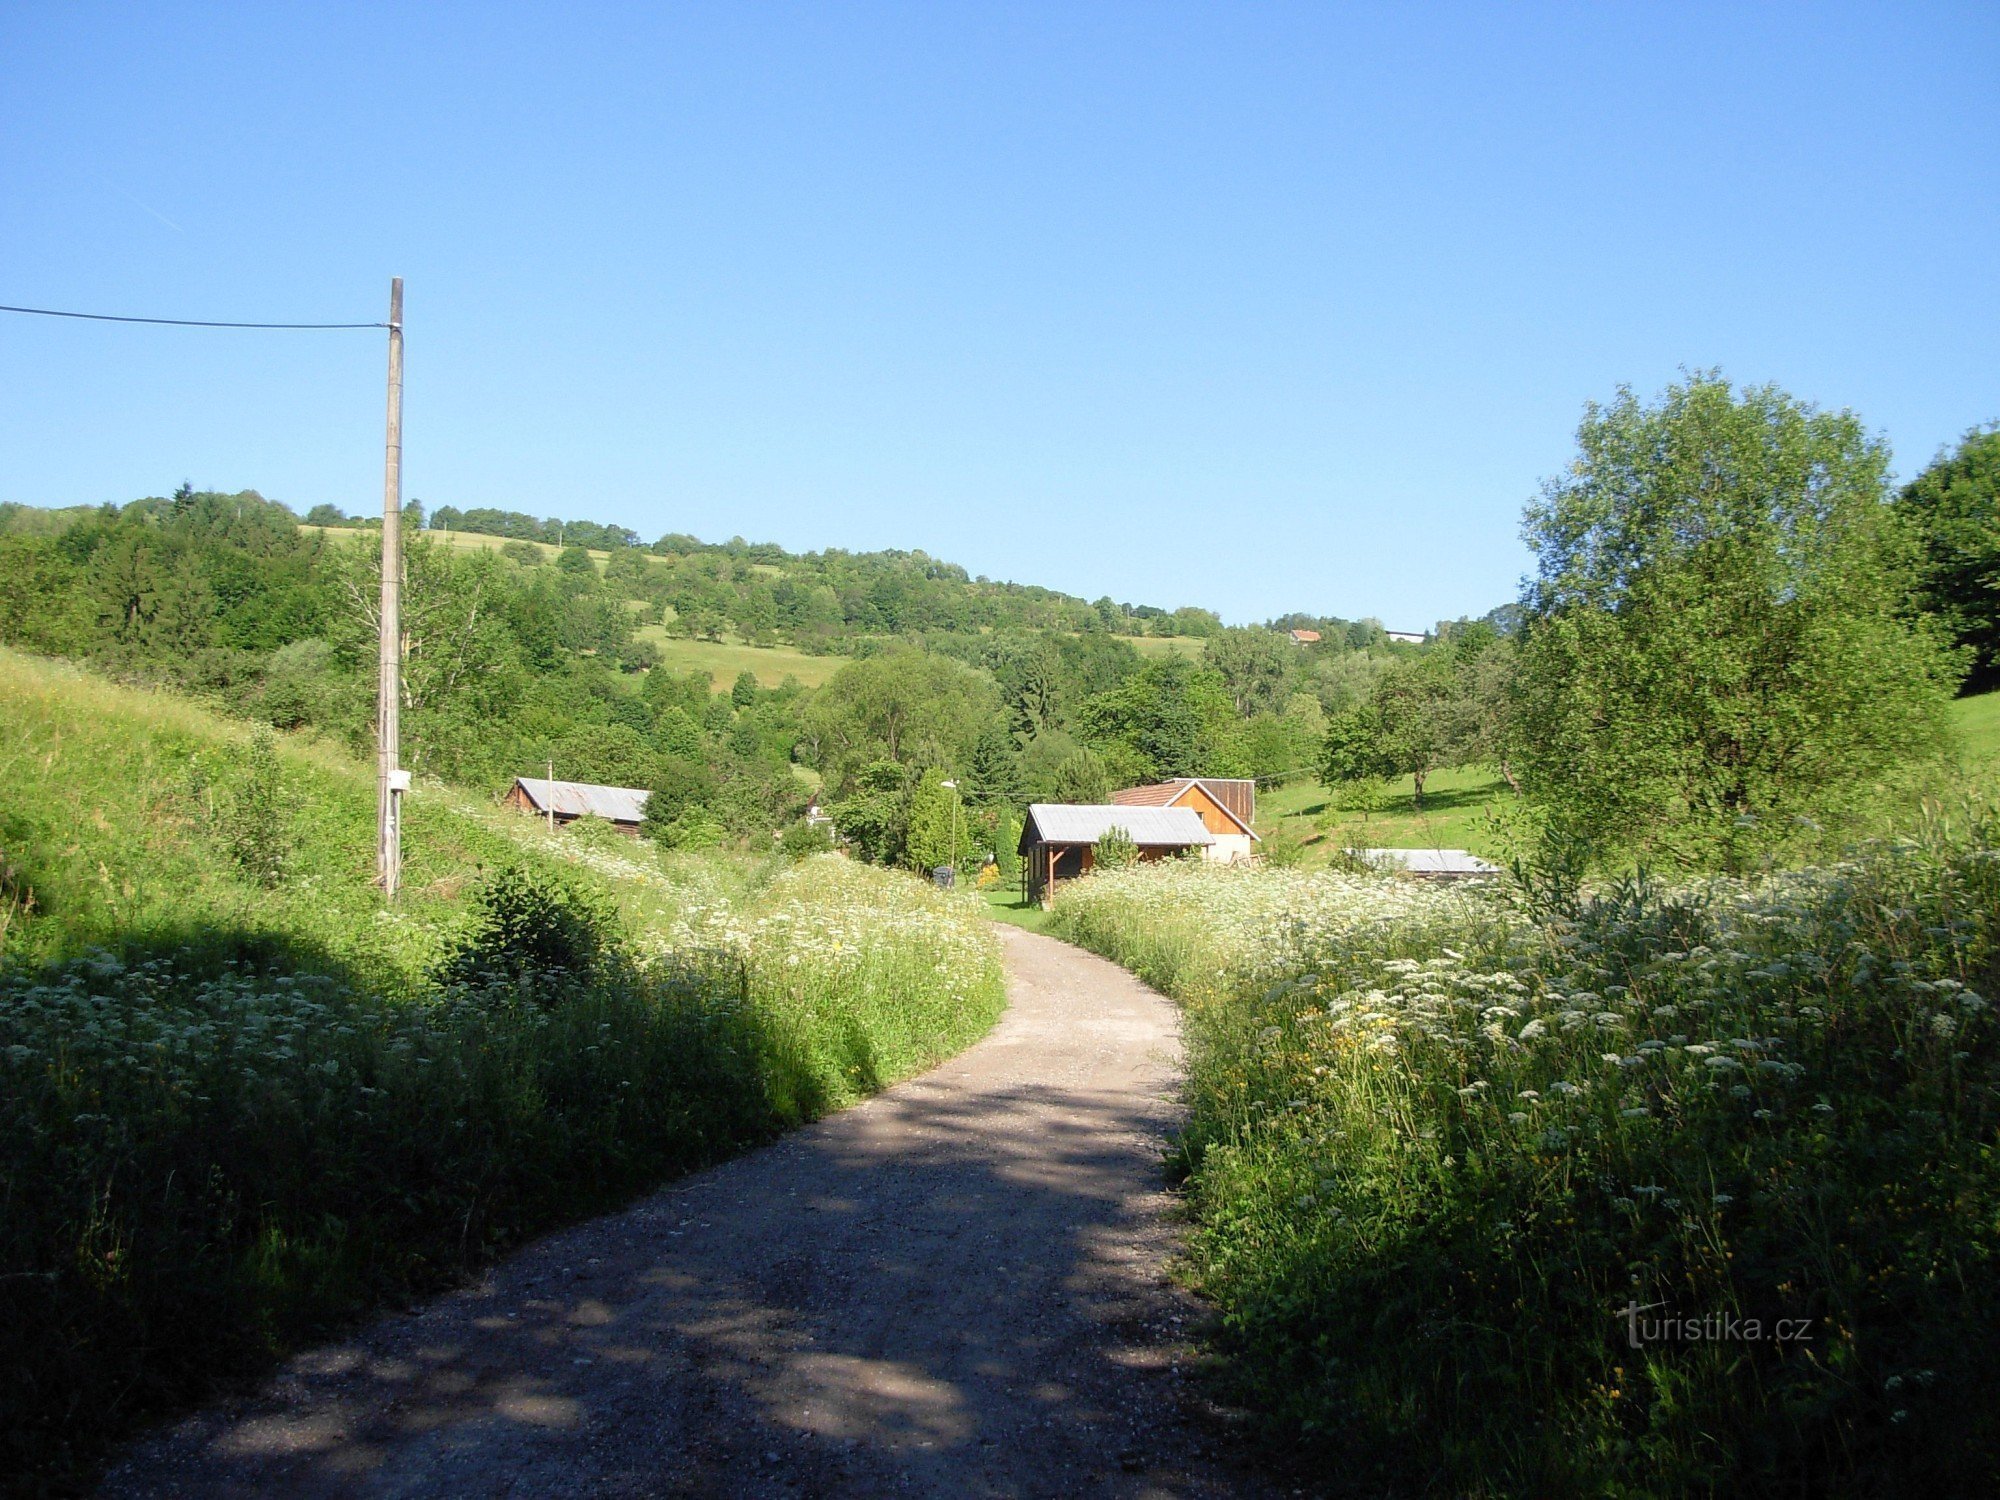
(472,541)
(1457,814)
(725,660)
(241,1102)
(1460,805)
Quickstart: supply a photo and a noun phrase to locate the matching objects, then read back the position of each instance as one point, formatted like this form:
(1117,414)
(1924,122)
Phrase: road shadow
(950,1290)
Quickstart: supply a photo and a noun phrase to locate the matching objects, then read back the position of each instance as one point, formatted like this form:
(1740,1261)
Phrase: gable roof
(580,799)
(1087,822)
(1305,637)
(1167,793)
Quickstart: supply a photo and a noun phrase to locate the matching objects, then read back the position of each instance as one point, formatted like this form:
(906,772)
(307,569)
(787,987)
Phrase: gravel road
(956,1288)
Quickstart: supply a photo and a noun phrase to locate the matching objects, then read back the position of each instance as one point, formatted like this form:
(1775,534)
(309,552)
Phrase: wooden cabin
(620,806)
(1059,839)
(1226,806)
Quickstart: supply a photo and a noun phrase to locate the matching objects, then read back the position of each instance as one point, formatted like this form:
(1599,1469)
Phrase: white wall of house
(1228,848)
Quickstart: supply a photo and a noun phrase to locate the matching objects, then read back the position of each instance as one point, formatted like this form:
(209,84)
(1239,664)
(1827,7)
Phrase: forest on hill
(524,656)
(1829,621)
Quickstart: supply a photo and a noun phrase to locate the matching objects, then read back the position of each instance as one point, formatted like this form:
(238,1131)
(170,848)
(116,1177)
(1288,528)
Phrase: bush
(536,932)
(1114,850)
(252,813)
(803,839)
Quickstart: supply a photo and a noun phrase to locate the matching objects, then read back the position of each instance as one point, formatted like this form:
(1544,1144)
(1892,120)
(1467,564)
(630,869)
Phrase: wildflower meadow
(1679,1189)
(260,1106)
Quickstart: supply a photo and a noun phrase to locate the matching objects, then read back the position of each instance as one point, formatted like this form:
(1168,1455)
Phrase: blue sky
(1256,307)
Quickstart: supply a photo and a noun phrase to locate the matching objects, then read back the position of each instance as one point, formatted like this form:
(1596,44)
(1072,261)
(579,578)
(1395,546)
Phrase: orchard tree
(1417,720)
(1955,507)
(1719,649)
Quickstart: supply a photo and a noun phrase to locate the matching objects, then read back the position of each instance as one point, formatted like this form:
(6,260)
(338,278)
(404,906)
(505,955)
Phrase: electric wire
(50,312)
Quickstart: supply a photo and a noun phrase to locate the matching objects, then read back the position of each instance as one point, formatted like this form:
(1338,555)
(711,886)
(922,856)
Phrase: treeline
(517,662)
(506,667)
(1738,637)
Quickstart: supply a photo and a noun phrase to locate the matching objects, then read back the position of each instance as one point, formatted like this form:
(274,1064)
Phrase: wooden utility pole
(389,694)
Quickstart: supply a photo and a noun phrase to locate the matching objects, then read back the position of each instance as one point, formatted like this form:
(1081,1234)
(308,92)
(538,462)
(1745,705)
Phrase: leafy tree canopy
(1718,641)
(1955,507)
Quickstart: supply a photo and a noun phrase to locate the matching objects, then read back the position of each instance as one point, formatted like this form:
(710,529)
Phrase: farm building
(1406,637)
(620,806)
(1059,838)
(1226,806)
(1429,864)
(1305,637)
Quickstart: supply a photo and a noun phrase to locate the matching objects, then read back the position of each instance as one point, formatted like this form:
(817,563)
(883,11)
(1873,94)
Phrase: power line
(50,312)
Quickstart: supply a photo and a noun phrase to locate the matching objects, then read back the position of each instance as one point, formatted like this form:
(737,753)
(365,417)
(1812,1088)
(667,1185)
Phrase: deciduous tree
(1955,507)
(1719,646)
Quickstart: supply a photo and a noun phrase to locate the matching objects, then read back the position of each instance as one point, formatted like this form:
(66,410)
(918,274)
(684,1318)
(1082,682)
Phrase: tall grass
(1440,1153)
(235,1113)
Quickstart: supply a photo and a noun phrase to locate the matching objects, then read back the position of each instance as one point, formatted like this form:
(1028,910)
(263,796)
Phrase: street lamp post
(954,825)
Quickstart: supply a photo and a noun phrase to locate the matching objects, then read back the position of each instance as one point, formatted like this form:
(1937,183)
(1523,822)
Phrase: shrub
(803,839)
(1114,850)
(252,813)
(534,931)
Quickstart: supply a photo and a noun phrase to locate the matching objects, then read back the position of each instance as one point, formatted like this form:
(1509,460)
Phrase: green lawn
(1979,723)
(1455,815)
(724,659)
(1458,805)
(1168,645)
(1005,903)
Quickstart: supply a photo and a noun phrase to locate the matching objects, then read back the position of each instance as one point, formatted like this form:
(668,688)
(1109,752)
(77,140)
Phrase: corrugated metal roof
(580,799)
(1430,861)
(1087,822)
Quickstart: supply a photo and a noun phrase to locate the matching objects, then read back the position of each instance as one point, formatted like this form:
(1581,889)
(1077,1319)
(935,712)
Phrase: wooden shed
(1058,840)
(1226,806)
(620,806)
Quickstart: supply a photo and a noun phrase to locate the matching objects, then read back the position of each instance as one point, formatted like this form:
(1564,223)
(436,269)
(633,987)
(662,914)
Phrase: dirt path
(956,1288)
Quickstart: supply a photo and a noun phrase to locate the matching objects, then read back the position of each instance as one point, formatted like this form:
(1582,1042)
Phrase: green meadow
(727,659)
(1464,807)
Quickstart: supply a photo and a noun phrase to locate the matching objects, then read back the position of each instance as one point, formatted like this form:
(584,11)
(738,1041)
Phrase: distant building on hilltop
(1226,806)
(1407,637)
(566,801)
(1305,637)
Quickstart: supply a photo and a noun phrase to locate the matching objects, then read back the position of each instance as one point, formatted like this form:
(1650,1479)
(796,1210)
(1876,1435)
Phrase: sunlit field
(724,660)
